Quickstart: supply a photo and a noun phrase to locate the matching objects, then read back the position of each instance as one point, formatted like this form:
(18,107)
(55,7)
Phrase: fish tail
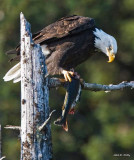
(62,122)
(65,126)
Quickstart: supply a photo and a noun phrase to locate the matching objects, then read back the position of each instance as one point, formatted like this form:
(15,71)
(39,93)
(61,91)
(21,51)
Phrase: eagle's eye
(110,48)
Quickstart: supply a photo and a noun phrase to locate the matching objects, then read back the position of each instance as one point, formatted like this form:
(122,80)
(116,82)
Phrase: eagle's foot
(67,75)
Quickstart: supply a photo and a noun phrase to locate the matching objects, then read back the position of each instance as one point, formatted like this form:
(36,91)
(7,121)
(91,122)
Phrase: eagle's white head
(105,43)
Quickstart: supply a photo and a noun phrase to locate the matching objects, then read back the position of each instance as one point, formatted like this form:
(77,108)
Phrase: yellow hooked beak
(111,56)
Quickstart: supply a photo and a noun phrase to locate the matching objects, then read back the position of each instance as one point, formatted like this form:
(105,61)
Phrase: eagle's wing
(64,27)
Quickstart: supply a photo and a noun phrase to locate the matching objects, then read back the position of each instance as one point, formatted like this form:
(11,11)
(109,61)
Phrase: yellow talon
(67,75)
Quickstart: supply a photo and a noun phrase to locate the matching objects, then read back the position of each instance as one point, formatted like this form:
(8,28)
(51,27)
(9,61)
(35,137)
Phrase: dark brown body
(76,49)
(70,41)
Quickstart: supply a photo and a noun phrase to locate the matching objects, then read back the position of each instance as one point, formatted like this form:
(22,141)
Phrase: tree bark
(35,144)
(55,82)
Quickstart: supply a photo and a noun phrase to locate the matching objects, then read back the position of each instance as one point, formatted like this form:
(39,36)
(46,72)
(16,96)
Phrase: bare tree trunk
(35,144)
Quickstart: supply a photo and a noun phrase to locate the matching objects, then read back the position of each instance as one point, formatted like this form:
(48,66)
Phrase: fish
(71,97)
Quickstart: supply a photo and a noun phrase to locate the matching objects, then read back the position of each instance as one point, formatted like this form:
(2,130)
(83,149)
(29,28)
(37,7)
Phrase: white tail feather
(17,79)
(13,74)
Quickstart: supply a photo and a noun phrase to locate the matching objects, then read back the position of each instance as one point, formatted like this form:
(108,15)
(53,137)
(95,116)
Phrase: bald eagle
(67,43)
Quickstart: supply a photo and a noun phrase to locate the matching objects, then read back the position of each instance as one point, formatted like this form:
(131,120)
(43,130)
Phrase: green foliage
(104,123)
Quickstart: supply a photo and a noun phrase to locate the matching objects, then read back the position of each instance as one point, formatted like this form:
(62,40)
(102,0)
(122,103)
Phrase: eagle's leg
(67,75)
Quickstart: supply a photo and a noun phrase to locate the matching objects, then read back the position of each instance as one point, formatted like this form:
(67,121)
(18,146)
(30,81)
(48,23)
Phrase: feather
(13,74)
(13,51)
(45,50)
(17,79)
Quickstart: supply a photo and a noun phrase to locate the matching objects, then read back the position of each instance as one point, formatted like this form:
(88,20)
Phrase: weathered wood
(35,145)
(55,82)
(13,127)
(46,121)
(2,158)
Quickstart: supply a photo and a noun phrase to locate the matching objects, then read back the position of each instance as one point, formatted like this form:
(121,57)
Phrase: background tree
(103,124)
